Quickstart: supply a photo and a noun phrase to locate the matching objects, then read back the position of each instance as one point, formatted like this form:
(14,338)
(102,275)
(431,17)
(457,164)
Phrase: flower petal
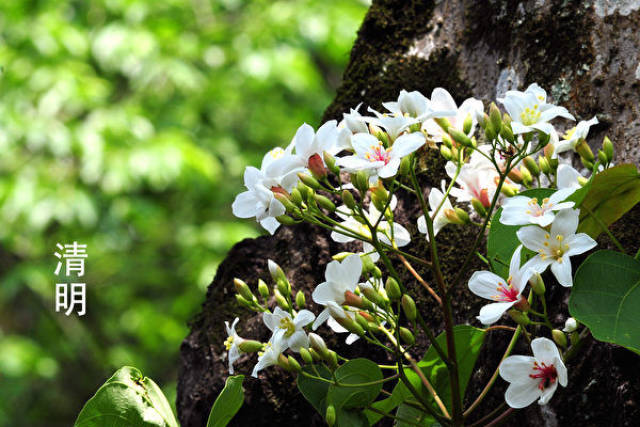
(490,313)
(303,318)
(484,284)
(579,243)
(532,237)
(562,271)
(516,369)
(297,340)
(566,223)
(521,395)
(544,350)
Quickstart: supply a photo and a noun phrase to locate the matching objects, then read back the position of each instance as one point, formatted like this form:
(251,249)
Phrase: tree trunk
(585,54)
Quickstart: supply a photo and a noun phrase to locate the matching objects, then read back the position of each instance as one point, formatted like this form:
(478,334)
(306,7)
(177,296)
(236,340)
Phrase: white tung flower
(414,104)
(529,110)
(536,377)
(271,352)
(436,197)
(293,328)
(442,101)
(341,277)
(568,177)
(505,293)
(554,247)
(232,343)
(521,210)
(379,161)
(354,121)
(575,135)
(392,234)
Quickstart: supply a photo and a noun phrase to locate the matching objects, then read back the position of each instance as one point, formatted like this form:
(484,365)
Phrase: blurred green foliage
(126,125)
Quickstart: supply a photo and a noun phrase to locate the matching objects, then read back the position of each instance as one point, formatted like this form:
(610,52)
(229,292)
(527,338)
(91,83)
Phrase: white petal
(547,393)
(390,169)
(422,225)
(303,140)
(561,195)
(246,205)
(485,283)
(335,326)
(324,293)
(562,271)
(516,368)
(521,395)
(298,339)
(490,313)
(579,243)
(322,317)
(400,235)
(532,237)
(518,128)
(442,100)
(270,224)
(407,144)
(566,223)
(537,264)
(514,265)
(562,372)
(351,270)
(340,238)
(544,350)
(271,321)
(303,318)
(351,338)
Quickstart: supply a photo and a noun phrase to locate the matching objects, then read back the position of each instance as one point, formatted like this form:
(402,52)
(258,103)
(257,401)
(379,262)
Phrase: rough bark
(587,54)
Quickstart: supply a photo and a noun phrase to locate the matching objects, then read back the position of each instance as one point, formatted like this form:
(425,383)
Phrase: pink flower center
(377,153)
(536,210)
(506,293)
(546,373)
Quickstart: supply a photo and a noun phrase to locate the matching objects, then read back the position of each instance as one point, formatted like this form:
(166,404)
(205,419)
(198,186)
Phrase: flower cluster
(349,177)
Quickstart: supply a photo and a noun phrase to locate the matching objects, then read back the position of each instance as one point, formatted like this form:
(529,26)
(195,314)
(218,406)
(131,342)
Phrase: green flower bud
(243,302)
(478,207)
(527,179)
(508,190)
(361,182)
(325,203)
(489,133)
(250,346)
(602,157)
(443,123)
(446,152)
(309,181)
(586,163)
(318,344)
(332,359)
(286,220)
(531,166)
(506,119)
(243,289)
(372,295)
(519,317)
(296,197)
(405,165)
(330,161)
(263,289)
(286,201)
(283,362)
(393,289)
(495,117)
(447,141)
(537,284)
(467,124)
(584,151)
(460,137)
(544,165)
(607,147)
(300,300)
(559,337)
(341,256)
(409,307)
(377,273)
(367,264)
(330,415)
(462,215)
(406,336)
(348,200)
(304,190)
(314,354)
(362,321)
(306,356)
(507,133)
(280,300)
(293,364)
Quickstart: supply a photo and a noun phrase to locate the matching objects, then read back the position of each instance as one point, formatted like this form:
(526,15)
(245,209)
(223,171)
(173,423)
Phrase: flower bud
(275,271)
(250,346)
(489,133)
(296,197)
(283,362)
(495,117)
(286,220)
(506,119)
(522,304)
(362,321)
(306,356)
(452,217)
(324,202)
(484,198)
(584,151)
(548,152)
(353,300)
(570,325)
(460,137)
(607,147)
(317,167)
(367,263)
(537,284)
(462,215)
(544,165)
(293,364)
(314,354)
(443,123)
(372,295)
(318,344)
(519,317)
(332,360)
(360,181)
(243,302)
(348,200)
(263,289)
(515,175)
(446,152)
(243,289)
(508,190)
(309,181)
(507,134)
(280,300)
(467,124)
(393,289)
(341,256)
(300,300)
(478,207)
(559,337)
(602,157)
(531,166)
(405,165)
(330,415)
(527,179)
(586,163)
(409,307)
(482,118)
(447,141)
(285,200)
(406,336)
(305,191)
(330,161)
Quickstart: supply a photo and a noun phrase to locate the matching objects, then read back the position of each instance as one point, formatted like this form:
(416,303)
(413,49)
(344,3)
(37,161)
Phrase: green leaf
(227,403)
(468,342)
(414,416)
(606,298)
(613,192)
(315,391)
(502,240)
(127,399)
(356,371)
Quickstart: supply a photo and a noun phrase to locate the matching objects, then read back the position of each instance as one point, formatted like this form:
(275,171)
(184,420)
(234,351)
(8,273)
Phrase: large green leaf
(408,416)
(606,297)
(613,192)
(468,342)
(315,391)
(502,240)
(127,399)
(356,371)
(227,403)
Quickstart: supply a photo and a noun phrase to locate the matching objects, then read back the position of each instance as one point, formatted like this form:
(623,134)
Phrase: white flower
(372,156)
(575,135)
(392,234)
(232,343)
(341,277)
(570,325)
(529,110)
(554,247)
(354,121)
(436,197)
(258,201)
(414,104)
(393,124)
(305,145)
(442,101)
(272,350)
(293,328)
(477,179)
(506,293)
(534,377)
(567,177)
(521,210)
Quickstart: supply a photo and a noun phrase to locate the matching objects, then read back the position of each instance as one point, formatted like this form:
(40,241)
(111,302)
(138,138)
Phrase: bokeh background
(126,125)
